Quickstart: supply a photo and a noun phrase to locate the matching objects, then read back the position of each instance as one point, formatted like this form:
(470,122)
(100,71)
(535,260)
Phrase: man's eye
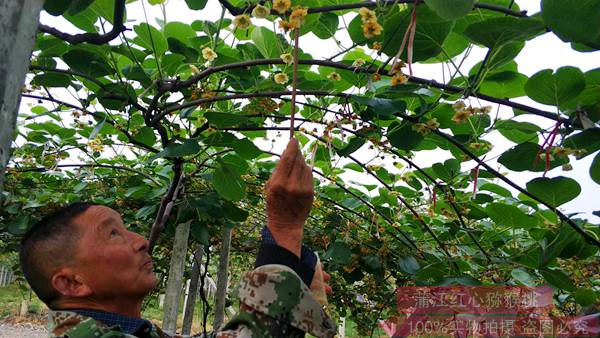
(114,232)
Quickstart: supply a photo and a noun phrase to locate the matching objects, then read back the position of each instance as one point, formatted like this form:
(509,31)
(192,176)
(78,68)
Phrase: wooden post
(18,25)
(176,269)
(222,277)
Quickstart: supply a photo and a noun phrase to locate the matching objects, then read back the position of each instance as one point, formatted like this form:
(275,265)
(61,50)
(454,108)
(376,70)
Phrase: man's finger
(326,276)
(288,158)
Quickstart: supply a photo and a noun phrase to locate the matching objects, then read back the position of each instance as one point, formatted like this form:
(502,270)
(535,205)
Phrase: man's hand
(290,196)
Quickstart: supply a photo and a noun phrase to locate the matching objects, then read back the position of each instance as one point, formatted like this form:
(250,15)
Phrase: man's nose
(139,242)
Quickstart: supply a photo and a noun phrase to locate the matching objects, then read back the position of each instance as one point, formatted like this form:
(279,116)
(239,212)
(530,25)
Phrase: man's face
(113,260)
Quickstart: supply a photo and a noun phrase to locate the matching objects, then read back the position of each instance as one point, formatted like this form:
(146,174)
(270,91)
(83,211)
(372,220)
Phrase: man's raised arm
(276,298)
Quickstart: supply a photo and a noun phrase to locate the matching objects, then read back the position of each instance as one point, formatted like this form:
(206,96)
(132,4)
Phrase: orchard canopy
(461,177)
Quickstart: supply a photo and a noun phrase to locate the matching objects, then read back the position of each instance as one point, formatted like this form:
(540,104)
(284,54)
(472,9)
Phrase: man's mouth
(148,264)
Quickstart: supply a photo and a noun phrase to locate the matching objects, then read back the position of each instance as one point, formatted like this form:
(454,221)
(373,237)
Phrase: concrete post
(175,281)
(190,301)
(18,25)
(222,278)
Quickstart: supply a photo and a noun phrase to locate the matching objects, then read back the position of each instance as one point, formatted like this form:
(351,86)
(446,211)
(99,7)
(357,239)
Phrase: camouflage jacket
(274,303)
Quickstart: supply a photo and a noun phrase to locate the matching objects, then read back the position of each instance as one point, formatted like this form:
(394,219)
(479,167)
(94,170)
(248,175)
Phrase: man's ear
(70,284)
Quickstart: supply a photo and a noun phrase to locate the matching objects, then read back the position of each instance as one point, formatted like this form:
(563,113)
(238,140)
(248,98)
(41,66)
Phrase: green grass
(11,297)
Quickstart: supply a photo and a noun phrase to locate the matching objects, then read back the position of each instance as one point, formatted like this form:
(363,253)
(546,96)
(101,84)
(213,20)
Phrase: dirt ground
(23,327)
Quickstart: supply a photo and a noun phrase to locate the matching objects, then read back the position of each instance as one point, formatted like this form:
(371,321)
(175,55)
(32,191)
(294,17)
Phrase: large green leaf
(57,7)
(196,4)
(430,34)
(88,61)
(266,41)
(554,191)
(151,38)
(353,145)
(555,89)
(558,279)
(339,252)
(451,10)
(382,108)
(509,215)
(246,149)
(496,32)
(228,183)
(402,136)
(52,80)
(180,31)
(224,120)
(595,169)
(574,20)
(518,132)
(326,26)
(187,148)
(522,157)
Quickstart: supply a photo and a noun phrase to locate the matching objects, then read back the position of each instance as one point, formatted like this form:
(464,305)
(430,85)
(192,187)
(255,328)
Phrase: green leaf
(187,148)
(554,191)
(196,4)
(246,149)
(228,183)
(558,279)
(266,41)
(451,10)
(518,132)
(585,297)
(574,20)
(78,6)
(234,213)
(52,80)
(180,31)
(595,169)
(522,157)
(87,61)
(504,84)
(339,252)
(224,120)
(448,170)
(326,26)
(353,145)
(522,277)
(408,264)
(151,38)
(383,108)
(402,136)
(145,136)
(496,32)
(555,89)
(199,232)
(105,8)
(57,7)
(430,34)
(509,215)
(19,226)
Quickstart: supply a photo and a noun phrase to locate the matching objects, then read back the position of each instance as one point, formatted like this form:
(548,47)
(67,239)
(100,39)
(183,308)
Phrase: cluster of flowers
(296,19)
(462,112)
(96,145)
(425,128)
(370,26)
(398,77)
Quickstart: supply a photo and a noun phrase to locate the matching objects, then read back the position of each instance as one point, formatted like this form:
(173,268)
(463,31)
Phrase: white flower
(209,54)
(287,58)
(281,78)
(260,12)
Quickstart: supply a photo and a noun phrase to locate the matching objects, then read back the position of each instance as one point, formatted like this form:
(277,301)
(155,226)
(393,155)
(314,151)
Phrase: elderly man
(94,274)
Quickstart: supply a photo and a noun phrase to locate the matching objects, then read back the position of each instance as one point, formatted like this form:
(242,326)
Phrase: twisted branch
(93,38)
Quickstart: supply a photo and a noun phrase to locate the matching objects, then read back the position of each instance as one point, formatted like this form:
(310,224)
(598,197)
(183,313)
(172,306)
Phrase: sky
(546,51)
